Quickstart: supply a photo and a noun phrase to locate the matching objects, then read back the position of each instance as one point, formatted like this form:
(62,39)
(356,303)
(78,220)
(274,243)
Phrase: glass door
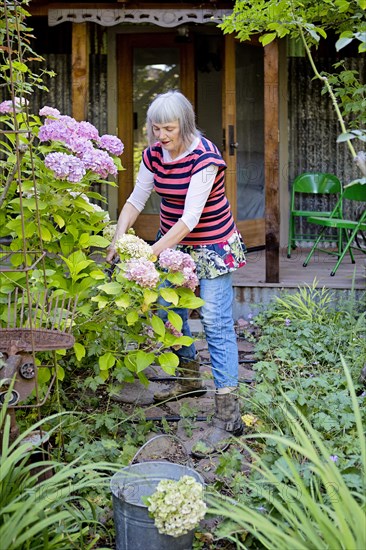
(243,131)
(148,65)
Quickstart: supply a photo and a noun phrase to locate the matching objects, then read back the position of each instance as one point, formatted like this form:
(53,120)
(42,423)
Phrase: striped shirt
(171,182)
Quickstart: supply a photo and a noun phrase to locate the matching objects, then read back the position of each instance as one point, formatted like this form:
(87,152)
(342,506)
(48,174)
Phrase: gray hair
(168,107)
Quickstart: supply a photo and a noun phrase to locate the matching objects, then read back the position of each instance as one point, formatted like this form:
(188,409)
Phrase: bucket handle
(188,459)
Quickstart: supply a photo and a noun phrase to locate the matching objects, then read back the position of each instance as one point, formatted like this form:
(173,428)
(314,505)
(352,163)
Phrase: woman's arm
(171,238)
(132,208)
(127,218)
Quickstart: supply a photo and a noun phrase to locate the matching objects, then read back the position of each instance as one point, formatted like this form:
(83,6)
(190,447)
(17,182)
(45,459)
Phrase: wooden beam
(229,119)
(80,71)
(271,163)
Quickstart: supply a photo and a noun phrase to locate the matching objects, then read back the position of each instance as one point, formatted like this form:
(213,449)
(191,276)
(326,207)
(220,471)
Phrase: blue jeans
(218,324)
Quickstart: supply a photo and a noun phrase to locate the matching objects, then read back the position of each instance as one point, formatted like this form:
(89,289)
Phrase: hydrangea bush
(137,287)
(48,199)
(177,506)
(50,166)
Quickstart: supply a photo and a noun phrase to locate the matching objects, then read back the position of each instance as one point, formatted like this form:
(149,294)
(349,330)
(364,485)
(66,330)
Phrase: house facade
(259,105)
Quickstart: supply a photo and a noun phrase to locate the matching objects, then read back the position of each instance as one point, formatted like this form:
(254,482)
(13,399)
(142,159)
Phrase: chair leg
(346,248)
(350,250)
(290,236)
(313,247)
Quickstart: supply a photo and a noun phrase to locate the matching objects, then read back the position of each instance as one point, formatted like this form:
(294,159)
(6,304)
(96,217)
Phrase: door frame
(146,225)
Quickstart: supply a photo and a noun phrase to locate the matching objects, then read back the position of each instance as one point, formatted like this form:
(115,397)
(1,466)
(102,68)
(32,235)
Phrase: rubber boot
(225,423)
(188,383)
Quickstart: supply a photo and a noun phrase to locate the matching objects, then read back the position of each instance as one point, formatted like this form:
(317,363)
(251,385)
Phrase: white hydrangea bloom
(177,506)
(131,246)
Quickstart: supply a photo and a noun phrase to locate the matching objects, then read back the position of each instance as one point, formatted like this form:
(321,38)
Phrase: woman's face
(168,135)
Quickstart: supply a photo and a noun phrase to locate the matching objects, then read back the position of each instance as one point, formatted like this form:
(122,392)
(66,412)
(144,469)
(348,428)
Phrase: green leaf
(123,301)
(45,233)
(170,295)
(345,137)
(342,42)
(132,317)
(184,341)
(144,360)
(175,319)
(84,240)
(342,5)
(60,373)
(188,299)
(97,274)
(79,351)
(97,240)
(67,244)
(157,325)
(113,288)
(59,220)
(102,301)
(267,38)
(18,66)
(150,296)
(168,361)
(72,230)
(143,379)
(106,361)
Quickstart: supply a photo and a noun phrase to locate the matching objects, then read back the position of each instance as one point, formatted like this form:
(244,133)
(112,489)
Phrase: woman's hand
(126,220)
(111,254)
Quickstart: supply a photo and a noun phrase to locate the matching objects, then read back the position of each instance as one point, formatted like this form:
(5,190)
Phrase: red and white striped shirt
(171,182)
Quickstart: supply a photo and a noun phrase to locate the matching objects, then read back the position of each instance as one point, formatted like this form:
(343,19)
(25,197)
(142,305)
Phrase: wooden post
(271,163)
(80,71)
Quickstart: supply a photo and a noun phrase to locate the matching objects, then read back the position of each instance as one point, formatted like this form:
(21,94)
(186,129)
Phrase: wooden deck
(251,290)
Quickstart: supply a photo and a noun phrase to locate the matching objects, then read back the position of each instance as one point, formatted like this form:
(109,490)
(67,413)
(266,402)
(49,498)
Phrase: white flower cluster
(109,231)
(177,506)
(130,246)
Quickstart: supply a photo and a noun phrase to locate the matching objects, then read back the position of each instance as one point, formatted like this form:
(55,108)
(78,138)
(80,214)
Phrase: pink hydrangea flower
(112,144)
(49,111)
(78,145)
(78,137)
(190,278)
(99,162)
(57,130)
(65,167)
(7,107)
(169,326)
(174,260)
(87,131)
(143,272)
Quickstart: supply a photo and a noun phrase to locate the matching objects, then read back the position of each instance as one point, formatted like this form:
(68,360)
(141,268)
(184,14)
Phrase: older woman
(188,172)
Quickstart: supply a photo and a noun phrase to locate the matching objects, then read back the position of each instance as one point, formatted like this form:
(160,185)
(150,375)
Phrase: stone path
(187,416)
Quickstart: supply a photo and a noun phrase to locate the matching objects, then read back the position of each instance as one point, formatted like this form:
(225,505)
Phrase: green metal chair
(316,183)
(348,229)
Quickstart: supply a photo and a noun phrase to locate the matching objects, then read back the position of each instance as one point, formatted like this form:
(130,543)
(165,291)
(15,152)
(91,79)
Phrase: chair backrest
(317,183)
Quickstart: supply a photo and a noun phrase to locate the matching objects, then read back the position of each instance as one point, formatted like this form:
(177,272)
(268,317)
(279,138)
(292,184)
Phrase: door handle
(232,144)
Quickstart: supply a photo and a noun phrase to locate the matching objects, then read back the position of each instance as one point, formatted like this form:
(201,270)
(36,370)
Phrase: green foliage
(15,73)
(322,511)
(46,504)
(299,351)
(280,18)
(351,94)
(310,22)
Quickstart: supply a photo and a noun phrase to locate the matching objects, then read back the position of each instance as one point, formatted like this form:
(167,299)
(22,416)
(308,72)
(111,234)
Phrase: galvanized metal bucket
(135,530)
